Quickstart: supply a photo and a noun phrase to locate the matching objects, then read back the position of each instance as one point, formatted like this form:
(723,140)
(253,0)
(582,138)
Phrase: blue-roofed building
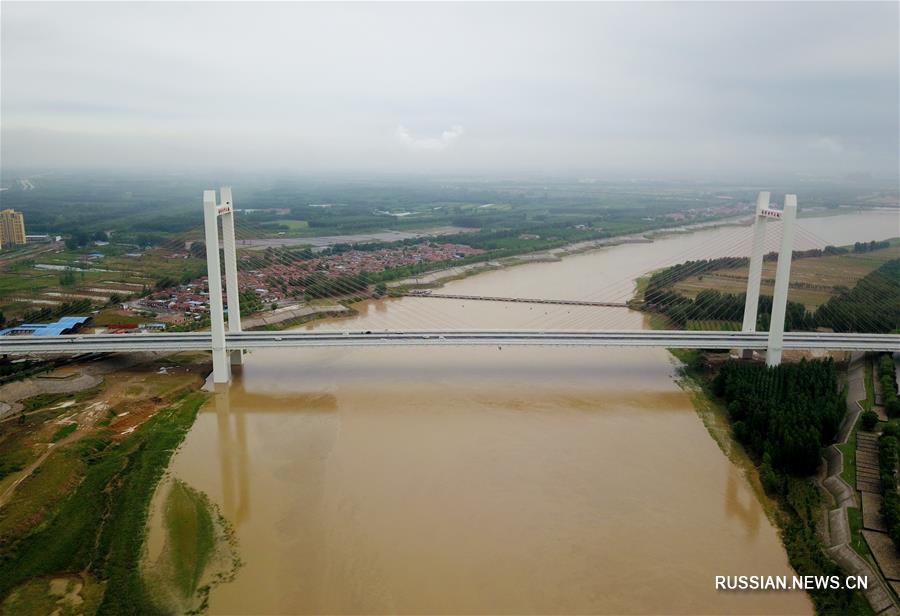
(64,325)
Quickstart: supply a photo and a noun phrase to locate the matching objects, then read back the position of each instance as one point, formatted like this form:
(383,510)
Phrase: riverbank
(81,504)
(796,505)
(440,277)
(288,316)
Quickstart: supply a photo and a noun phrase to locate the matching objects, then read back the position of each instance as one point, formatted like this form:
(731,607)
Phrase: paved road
(198,341)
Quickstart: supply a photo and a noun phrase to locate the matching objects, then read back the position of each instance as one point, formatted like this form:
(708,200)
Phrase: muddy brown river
(490,480)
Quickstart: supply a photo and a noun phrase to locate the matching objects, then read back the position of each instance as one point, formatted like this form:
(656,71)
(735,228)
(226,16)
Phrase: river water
(490,480)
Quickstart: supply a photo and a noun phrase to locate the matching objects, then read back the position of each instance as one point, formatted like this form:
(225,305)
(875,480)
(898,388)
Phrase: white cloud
(832,145)
(437,144)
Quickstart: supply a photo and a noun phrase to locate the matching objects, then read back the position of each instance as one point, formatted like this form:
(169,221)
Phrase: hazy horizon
(645,89)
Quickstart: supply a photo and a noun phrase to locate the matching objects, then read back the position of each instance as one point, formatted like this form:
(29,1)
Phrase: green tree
(77,240)
(250,302)
(67,278)
(869,420)
(198,250)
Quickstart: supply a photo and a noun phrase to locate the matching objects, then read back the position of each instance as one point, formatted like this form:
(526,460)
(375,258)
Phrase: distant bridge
(517,300)
(241,341)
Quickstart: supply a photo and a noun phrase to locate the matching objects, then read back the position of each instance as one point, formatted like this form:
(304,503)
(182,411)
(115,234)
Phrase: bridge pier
(212,211)
(788,215)
(782,278)
(221,369)
(231,278)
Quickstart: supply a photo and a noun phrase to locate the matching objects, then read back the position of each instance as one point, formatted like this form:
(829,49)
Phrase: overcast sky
(697,90)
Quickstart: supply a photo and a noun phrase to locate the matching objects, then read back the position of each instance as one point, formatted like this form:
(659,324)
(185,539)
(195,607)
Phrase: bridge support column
(751,304)
(231,277)
(782,277)
(221,369)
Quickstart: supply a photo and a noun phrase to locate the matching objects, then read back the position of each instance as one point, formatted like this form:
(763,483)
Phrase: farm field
(58,276)
(813,280)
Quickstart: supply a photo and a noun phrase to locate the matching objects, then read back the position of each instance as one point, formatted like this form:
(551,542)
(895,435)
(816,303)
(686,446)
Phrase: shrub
(869,420)
(891,428)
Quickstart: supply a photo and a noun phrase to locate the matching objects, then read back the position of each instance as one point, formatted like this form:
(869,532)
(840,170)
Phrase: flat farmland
(813,279)
(43,281)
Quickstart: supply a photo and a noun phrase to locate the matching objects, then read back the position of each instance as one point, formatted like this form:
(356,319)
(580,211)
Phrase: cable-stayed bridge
(227,341)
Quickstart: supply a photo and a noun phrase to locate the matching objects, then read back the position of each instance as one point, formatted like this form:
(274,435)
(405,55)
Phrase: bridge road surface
(202,341)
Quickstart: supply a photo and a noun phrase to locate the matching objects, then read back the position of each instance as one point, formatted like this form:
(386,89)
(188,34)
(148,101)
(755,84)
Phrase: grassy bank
(198,550)
(97,530)
(190,529)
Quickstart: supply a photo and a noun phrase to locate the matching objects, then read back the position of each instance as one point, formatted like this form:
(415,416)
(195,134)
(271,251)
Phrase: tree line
(888,448)
(870,246)
(873,305)
(887,378)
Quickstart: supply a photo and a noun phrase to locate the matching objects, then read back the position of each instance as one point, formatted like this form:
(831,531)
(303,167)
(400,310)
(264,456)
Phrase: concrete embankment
(291,313)
(839,535)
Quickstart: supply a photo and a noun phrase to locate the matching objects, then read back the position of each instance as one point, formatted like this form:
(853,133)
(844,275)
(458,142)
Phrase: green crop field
(294,225)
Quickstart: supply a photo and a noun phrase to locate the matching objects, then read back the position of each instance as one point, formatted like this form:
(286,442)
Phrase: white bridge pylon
(212,212)
(223,209)
(764,213)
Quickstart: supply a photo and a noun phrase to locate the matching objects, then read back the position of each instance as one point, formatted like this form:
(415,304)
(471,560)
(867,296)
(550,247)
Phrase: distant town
(275,276)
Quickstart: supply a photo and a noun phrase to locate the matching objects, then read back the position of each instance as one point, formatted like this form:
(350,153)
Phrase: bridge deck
(202,341)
